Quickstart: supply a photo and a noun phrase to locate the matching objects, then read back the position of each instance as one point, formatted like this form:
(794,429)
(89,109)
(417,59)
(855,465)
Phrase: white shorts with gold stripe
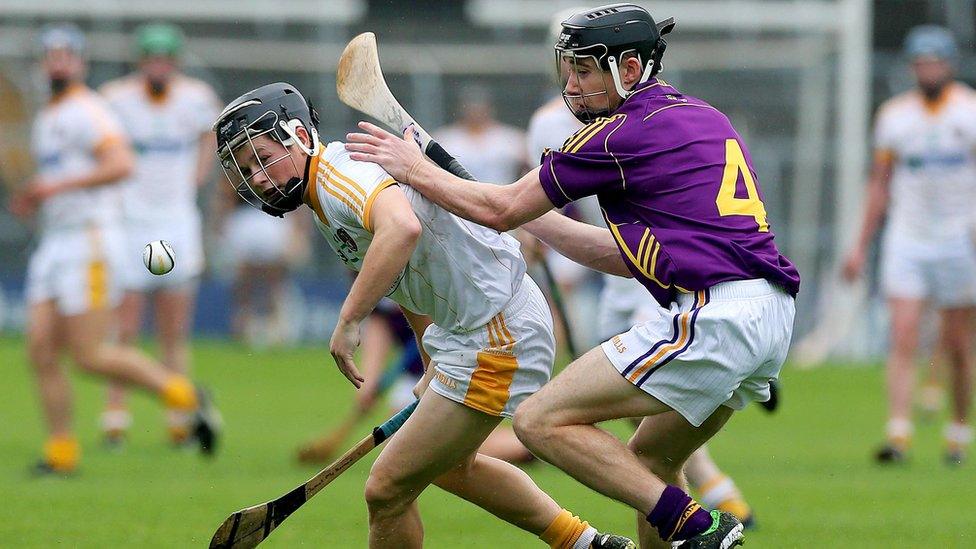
(77,268)
(494,368)
(714,347)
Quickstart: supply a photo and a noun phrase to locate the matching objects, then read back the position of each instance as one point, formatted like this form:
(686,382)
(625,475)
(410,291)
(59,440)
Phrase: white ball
(159,257)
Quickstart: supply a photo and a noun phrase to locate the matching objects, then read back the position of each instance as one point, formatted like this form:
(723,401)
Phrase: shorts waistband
(734,289)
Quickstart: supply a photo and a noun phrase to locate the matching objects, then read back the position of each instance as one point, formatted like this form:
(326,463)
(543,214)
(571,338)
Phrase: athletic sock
(179,393)
(61,453)
(116,420)
(567,531)
(721,493)
(899,431)
(958,436)
(678,517)
(178,425)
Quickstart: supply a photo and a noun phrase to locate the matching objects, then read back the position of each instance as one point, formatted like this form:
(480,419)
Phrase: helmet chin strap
(615,73)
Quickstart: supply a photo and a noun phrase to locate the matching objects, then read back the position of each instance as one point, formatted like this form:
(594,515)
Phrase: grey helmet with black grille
(277,111)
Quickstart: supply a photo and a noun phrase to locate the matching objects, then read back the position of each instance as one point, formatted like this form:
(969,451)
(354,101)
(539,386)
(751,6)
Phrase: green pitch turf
(805,470)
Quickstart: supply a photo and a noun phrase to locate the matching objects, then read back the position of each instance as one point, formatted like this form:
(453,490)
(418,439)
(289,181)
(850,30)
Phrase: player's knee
(531,425)
(88,357)
(384,496)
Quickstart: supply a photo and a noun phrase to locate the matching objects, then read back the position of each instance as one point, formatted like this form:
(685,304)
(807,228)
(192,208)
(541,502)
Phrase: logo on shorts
(444,380)
(618,344)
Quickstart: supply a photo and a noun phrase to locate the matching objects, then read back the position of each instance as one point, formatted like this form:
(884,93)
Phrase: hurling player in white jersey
(167,117)
(622,298)
(485,325)
(924,180)
(72,287)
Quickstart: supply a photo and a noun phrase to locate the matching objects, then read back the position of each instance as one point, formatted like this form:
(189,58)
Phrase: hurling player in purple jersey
(685,217)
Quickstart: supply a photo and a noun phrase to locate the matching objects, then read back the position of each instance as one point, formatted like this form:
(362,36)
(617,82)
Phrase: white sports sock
(899,428)
(585,539)
(959,433)
(116,420)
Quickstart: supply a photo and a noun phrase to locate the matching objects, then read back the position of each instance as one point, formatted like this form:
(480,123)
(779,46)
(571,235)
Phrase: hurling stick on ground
(360,84)
(249,527)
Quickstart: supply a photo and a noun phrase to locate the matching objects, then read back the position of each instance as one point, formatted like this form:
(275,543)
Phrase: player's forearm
(386,258)
(877,205)
(482,203)
(585,244)
(110,169)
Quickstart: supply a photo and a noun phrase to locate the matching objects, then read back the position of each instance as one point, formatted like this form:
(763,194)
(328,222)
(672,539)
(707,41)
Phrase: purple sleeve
(585,165)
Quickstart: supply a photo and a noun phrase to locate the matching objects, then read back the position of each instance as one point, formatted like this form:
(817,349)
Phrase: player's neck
(936,100)
(73,88)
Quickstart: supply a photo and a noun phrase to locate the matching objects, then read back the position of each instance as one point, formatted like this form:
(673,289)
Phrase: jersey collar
(311,182)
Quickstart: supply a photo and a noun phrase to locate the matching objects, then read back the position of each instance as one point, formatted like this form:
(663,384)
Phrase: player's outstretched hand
(398,156)
(345,339)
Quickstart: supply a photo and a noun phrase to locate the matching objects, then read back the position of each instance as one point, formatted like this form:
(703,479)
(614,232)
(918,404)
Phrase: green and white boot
(725,532)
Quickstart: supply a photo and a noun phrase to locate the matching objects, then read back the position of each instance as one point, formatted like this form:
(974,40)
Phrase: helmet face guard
(608,35)
(241,162)
(254,133)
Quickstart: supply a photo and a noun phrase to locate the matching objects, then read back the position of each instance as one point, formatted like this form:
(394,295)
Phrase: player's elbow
(409,230)
(501,216)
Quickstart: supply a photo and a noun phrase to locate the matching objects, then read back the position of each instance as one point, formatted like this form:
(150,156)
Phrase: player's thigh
(439,435)
(667,440)
(589,390)
(130,315)
(906,315)
(86,333)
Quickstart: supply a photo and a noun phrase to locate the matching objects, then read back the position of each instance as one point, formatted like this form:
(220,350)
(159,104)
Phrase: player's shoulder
(336,159)
(898,104)
(120,87)
(194,87)
(593,138)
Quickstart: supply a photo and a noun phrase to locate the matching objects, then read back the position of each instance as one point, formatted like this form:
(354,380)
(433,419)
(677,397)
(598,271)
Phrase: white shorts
(714,347)
(944,272)
(183,233)
(494,368)
(77,268)
(254,237)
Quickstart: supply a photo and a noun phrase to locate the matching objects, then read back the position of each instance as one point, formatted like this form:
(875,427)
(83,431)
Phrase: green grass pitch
(806,470)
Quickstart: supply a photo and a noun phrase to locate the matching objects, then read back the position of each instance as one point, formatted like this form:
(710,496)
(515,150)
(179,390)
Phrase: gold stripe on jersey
(488,390)
(368,207)
(630,254)
(339,186)
(346,179)
(581,137)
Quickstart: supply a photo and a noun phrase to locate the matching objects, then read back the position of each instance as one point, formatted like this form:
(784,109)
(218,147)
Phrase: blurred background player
(72,287)
(489,149)
(167,117)
(924,180)
(623,302)
(262,268)
(384,330)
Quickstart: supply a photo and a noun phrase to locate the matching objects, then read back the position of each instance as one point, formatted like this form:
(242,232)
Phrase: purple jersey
(677,190)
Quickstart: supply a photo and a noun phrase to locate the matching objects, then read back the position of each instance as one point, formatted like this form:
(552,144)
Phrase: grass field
(805,470)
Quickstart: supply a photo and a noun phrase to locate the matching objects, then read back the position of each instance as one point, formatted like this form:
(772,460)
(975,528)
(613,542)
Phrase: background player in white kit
(924,179)
(167,117)
(72,290)
(485,324)
(623,302)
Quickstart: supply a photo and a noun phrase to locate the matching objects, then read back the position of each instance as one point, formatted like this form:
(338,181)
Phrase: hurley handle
(393,424)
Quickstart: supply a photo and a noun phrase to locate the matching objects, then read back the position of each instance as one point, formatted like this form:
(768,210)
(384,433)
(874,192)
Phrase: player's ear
(630,71)
(303,136)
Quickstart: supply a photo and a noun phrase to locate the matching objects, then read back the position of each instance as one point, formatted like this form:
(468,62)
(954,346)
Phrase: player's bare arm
(586,244)
(879,184)
(396,231)
(501,207)
(205,153)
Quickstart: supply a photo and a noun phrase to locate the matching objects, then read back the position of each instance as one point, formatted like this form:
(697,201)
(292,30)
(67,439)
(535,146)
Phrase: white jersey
(933,183)
(460,274)
(67,137)
(493,156)
(166,134)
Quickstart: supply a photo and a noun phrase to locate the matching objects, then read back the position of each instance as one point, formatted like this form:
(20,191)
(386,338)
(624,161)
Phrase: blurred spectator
(167,116)
(493,152)
(924,181)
